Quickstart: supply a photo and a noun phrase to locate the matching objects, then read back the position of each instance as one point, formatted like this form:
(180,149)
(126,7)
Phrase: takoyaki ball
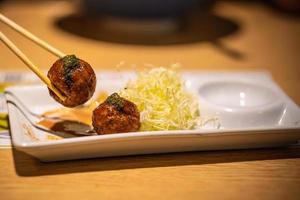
(116,115)
(74,78)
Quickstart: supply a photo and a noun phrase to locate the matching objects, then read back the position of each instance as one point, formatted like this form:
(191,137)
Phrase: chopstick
(34,68)
(31,37)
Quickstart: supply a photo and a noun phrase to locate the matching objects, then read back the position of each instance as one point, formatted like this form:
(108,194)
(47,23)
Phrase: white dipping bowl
(240,104)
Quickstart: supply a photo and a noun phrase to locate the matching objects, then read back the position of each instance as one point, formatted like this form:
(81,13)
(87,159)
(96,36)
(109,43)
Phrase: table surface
(264,40)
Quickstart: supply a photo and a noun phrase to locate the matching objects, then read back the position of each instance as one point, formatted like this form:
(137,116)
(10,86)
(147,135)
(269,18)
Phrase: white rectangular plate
(253,112)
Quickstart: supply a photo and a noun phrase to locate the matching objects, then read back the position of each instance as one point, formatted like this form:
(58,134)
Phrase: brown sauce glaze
(68,122)
(73,127)
(66,128)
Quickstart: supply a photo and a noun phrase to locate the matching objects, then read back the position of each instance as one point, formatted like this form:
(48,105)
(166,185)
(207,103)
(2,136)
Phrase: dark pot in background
(141,8)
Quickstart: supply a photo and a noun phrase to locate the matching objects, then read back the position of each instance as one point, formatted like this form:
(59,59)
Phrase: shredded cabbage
(162,100)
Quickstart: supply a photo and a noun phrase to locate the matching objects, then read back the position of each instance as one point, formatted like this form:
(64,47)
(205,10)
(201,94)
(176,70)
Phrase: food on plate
(162,100)
(74,78)
(155,100)
(116,115)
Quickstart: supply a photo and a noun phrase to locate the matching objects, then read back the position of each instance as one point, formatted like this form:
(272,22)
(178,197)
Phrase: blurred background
(199,34)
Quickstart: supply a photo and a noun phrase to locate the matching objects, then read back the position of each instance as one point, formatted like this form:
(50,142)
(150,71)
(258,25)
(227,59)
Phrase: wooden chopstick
(33,67)
(32,37)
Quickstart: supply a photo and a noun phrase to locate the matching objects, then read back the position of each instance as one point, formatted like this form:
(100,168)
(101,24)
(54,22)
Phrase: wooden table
(264,40)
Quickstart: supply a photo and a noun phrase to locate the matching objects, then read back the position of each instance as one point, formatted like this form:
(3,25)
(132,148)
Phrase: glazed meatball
(116,115)
(74,78)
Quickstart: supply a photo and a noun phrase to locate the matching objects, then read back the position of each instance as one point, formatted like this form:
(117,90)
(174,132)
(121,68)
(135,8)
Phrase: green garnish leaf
(71,62)
(116,101)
